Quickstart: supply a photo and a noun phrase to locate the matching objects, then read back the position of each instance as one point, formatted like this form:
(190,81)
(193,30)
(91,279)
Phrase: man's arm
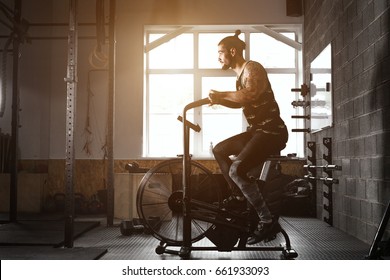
(255,83)
(230,104)
(216,98)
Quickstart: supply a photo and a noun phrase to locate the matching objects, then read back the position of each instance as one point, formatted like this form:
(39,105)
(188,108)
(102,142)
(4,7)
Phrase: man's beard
(229,65)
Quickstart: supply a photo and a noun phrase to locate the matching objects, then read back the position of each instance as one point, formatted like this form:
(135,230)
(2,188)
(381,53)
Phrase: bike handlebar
(190,124)
(192,105)
(197,103)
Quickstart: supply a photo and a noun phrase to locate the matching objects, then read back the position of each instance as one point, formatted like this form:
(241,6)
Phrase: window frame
(198,73)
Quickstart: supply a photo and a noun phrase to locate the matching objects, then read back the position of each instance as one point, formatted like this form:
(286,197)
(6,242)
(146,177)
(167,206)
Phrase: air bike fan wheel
(160,200)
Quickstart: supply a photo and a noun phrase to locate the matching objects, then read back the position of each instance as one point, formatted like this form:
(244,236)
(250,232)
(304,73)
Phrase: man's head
(229,49)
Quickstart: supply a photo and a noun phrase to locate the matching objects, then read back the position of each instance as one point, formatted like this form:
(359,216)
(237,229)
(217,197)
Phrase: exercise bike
(186,204)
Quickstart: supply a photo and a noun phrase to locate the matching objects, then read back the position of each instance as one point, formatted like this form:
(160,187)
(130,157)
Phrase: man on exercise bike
(266,134)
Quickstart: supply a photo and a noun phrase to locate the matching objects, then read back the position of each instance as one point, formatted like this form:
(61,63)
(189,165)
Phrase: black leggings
(251,149)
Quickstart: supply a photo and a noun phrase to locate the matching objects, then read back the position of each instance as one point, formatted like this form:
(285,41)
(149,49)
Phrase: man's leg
(256,150)
(222,152)
(251,192)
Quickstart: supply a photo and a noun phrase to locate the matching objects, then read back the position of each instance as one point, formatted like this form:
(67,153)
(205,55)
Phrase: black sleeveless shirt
(262,114)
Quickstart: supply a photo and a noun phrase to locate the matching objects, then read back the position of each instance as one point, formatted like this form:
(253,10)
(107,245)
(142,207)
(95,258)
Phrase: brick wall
(359,33)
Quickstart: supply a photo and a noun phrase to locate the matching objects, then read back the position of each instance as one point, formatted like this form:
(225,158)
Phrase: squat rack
(16,38)
(18,35)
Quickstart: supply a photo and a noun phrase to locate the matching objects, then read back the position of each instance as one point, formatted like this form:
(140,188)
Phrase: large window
(181,66)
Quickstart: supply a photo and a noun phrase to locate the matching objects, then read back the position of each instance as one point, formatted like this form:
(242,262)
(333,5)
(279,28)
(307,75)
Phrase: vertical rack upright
(71,96)
(312,159)
(327,141)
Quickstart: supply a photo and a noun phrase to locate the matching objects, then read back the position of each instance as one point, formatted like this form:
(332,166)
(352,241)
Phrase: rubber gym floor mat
(57,216)
(49,253)
(317,240)
(40,232)
(311,238)
(141,246)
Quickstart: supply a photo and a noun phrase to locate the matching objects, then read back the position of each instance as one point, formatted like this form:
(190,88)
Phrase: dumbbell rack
(304,90)
(328,179)
(329,183)
(311,145)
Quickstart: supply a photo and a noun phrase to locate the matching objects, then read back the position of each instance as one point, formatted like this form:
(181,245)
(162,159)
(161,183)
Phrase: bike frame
(186,172)
(187,247)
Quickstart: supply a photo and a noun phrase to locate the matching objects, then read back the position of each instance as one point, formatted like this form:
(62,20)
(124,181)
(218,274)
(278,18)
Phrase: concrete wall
(359,34)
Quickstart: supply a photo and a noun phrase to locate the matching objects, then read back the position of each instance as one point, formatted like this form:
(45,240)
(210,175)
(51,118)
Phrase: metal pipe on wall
(110,117)
(71,97)
(15,117)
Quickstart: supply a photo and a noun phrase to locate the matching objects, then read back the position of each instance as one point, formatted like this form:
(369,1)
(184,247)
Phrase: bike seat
(263,171)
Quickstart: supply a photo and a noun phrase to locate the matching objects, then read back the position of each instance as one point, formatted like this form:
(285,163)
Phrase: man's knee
(217,149)
(234,169)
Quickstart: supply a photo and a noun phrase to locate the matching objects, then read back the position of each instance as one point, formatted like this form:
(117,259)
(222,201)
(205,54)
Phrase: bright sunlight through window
(183,68)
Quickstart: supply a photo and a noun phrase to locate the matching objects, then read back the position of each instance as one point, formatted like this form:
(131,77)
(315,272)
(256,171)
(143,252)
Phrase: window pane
(219,127)
(168,94)
(218,122)
(164,135)
(270,52)
(178,53)
(208,49)
(220,84)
